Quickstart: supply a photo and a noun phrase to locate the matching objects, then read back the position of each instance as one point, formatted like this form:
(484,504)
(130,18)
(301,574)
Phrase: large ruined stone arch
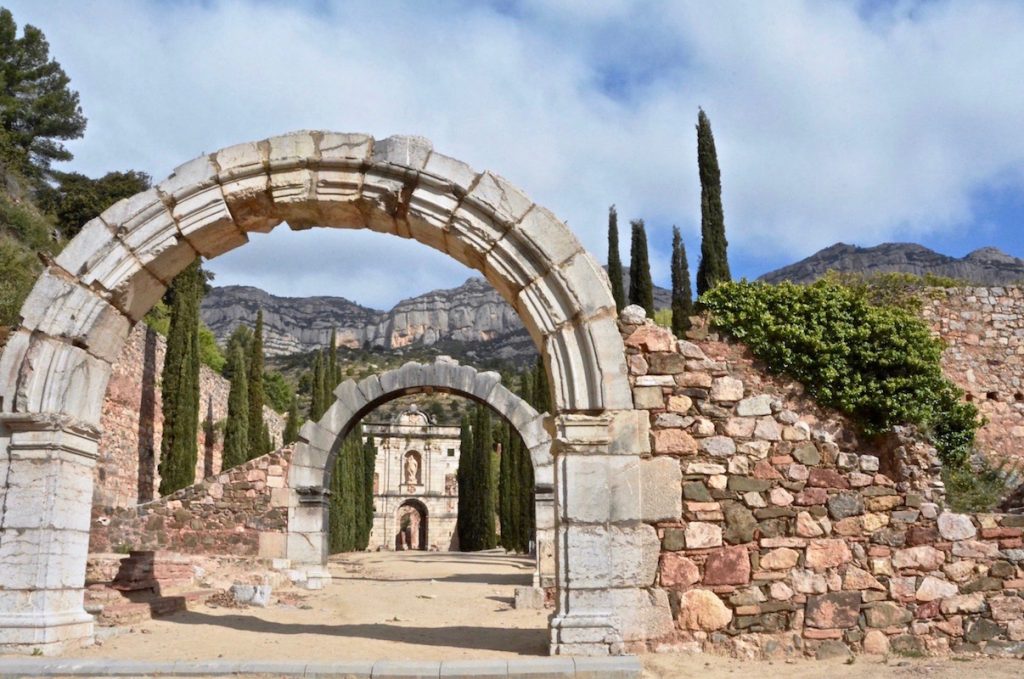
(319,443)
(55,366)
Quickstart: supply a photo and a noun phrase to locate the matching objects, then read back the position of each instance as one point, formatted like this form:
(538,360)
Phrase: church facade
(415,491)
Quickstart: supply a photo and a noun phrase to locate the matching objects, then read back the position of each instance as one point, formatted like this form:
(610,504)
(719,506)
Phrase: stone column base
(585,635)
(46,634)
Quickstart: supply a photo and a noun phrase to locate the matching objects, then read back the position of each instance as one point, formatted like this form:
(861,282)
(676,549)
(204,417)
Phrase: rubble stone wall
(132,423)
(984,332)
(240,512)
(795,536)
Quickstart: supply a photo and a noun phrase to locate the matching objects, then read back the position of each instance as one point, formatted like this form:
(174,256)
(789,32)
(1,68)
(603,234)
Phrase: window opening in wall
(992,396)
(1018,397)
(970,398)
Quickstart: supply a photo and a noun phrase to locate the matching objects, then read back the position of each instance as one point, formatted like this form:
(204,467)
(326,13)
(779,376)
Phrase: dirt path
(439,606)
(386,605)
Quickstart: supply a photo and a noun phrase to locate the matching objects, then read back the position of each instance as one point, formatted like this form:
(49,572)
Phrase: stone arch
(319,443)
(55,366)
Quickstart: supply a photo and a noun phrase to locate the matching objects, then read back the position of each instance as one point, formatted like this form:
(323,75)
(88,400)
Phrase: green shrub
(18,270)
(879,364)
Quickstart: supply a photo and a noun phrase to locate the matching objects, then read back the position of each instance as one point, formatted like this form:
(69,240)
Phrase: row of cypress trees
(350,512)
(714,263)
(476,495)
(246,435)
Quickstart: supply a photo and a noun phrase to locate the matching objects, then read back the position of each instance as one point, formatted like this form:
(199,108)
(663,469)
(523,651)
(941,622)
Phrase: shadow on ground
(527,641)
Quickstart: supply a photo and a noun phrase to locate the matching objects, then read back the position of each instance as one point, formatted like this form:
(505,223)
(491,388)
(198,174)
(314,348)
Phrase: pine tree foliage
(714,261)
(682,294)
(292,424)
(37,108)
(641,287)
(236,432)
(180,383)
(614,260)
(257,440)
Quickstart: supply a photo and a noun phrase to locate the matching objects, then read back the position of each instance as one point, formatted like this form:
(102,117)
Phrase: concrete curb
(620,667)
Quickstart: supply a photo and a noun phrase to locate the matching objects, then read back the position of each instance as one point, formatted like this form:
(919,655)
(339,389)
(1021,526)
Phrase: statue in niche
(412,470)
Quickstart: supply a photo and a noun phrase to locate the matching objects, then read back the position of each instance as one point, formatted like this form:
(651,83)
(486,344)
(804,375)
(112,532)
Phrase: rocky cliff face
(987,266)
(461,319)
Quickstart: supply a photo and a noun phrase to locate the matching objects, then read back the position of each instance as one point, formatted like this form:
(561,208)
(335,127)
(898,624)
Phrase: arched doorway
(54,369)
(412,531)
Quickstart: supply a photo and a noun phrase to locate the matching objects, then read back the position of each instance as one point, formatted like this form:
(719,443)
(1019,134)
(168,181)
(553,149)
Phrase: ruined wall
(795,536)
(132,423)
(241,512)
(984,332)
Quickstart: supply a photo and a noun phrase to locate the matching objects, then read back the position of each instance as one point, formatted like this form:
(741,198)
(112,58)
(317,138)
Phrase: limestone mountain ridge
(464,321)
(984,266)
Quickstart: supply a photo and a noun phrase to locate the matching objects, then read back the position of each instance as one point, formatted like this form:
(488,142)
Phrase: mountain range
(473,321)
(985,266)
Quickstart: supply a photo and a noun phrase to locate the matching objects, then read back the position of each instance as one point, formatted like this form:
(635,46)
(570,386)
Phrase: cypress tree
(485,448)
(369,462)
(291,426)
(463,524)
(641,288)
(510,528)
(179,447)
(333,371)
(236,433)
(326,388)
(505,489)
(267,441)
(257,441)
(316,406)
(714,261)
(541,389)
(682,296)
(614,261)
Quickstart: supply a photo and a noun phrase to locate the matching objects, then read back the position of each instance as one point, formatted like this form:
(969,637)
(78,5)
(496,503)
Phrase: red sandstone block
(781,460)
(1011,543)
(993,533)
(1013,584)
(879,550)
(811,633)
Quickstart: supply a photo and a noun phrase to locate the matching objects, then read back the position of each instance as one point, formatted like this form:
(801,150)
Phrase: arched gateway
(54,368)
(313,459)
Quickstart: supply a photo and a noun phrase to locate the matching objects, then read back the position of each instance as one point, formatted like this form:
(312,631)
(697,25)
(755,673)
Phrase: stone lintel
(49,432)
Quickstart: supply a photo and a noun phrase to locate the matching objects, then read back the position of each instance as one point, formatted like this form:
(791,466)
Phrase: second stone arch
(319,442)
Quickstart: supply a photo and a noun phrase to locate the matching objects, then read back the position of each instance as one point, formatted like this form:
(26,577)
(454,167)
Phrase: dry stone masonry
(791,535)
(984,332)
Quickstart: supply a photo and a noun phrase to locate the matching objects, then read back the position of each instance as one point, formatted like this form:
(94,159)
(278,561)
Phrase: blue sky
(861,122)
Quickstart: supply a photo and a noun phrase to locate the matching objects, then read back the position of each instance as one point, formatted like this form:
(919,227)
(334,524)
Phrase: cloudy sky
(860,122)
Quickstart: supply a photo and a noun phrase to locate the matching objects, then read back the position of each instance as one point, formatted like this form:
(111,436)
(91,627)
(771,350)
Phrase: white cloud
(831,124)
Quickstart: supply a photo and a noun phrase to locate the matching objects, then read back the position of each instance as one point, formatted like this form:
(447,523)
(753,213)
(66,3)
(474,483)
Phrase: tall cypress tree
(291,425)
(541,389)
(179,447)
(464,524)
(485,447)
(506,492)
(714,260)
(369,463)
(333,371)
(316,391)
(257,440)
(614,261)
(526,520)
(326,388)
(682,295)
(236,433)
(641,288)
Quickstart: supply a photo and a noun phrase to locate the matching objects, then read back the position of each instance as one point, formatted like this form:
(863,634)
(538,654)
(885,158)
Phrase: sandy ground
(440,606)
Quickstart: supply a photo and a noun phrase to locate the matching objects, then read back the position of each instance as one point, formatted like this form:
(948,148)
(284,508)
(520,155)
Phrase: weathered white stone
(755,406)
(661,490)
(933,588)
(726,389)
(633,314)
(956,526)
(700,535)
